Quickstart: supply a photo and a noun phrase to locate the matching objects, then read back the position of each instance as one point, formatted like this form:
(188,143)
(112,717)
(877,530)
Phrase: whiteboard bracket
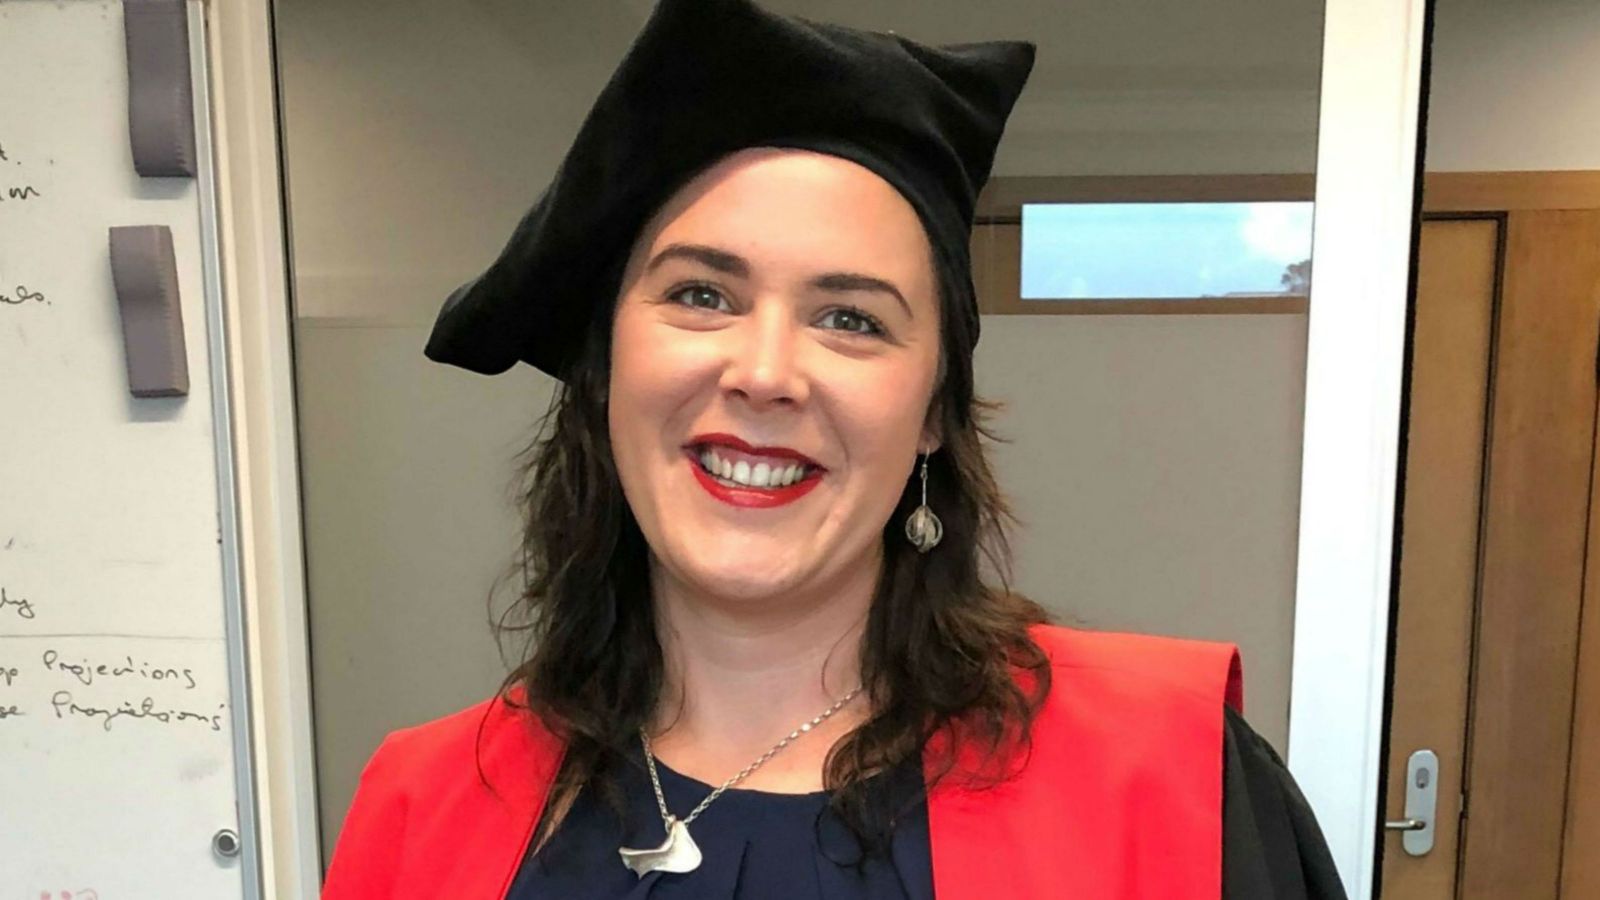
(145,274)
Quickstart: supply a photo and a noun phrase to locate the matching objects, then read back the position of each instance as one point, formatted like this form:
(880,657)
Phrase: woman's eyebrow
(736,265)
(850,281)
(711,257)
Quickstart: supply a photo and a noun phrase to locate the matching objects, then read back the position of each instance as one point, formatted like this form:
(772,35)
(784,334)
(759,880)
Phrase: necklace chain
(655,780)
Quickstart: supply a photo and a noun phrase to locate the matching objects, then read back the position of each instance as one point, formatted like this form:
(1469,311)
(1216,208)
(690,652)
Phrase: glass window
(1165,250)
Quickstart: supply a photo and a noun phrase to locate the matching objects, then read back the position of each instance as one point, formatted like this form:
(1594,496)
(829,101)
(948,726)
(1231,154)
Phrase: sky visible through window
(1101,250)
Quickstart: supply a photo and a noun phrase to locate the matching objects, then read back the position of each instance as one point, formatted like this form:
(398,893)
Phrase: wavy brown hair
(942,650)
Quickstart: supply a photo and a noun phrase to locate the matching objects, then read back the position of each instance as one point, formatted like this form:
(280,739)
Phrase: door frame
(1365,231)
(251,232)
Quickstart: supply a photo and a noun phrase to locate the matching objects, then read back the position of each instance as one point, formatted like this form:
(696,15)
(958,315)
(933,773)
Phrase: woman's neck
(742,675)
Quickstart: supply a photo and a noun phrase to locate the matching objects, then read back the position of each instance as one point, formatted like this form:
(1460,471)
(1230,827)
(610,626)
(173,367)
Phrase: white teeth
(761,475)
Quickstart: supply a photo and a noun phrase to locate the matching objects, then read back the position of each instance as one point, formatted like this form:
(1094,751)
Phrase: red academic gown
(1121,796)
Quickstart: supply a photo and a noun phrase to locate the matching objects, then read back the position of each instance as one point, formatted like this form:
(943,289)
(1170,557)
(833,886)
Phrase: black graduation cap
(705,78)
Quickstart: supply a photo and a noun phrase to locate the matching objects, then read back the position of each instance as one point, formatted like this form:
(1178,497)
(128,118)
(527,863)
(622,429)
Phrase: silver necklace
(679,853)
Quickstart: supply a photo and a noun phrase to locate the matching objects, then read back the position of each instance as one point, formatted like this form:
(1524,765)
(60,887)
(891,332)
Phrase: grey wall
(1155,459)
(1516,86)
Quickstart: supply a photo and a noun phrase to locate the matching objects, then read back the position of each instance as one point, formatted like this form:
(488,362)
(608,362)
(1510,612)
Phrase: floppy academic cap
(703,79)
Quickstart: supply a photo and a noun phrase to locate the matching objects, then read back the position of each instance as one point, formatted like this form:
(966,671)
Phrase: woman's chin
(741,582)
(752,586)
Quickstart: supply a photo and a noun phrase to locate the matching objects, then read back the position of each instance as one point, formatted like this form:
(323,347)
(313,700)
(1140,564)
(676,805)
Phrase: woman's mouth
(739,470)
(743,478)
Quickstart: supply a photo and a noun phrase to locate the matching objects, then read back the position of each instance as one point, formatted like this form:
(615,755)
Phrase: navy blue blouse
(759,844)
(754,843)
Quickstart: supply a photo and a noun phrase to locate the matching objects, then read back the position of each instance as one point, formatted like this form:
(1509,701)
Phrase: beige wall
(1156,458)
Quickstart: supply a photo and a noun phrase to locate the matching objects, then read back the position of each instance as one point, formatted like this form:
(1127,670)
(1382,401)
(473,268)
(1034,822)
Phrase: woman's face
(777,319)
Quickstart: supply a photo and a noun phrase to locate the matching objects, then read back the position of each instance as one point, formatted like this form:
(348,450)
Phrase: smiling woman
(741,608)
(770,365)
(763,655)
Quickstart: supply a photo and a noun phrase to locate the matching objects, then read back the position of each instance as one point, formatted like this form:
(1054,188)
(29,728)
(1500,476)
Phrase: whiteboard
(124,745)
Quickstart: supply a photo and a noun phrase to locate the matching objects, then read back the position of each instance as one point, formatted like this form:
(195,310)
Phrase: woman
(763,661)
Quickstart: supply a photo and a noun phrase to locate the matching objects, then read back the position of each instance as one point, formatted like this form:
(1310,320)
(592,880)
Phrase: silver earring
(923,528)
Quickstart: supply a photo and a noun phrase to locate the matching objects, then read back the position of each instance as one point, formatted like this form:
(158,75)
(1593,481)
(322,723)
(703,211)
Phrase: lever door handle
(1422,793)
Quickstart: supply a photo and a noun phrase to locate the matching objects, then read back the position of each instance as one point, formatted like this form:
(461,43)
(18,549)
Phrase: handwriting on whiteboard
(19,606)
(66,707)
(16,192)
(22,294)
(108,688)
(12,189)
(86,670)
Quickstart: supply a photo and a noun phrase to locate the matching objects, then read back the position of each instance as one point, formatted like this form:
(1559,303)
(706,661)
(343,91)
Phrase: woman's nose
(764,358)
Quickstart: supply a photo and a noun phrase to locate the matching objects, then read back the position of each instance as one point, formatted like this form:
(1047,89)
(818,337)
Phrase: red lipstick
(728,440)
(738,495)
(753,497)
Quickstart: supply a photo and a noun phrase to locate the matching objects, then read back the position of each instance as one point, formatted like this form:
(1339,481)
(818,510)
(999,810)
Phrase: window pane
(1179,250)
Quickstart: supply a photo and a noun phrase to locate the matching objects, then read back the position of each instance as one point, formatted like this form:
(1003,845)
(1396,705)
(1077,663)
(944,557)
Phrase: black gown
(759,844)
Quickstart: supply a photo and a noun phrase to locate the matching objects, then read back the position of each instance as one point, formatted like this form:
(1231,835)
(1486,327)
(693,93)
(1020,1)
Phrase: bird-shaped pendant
(678,853)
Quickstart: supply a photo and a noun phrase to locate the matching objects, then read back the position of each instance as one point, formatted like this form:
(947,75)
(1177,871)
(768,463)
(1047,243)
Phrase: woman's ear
(932,434)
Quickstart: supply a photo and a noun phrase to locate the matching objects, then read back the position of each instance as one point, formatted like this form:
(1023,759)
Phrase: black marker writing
(23,607)
(64,706)
(22,295)
(86,671)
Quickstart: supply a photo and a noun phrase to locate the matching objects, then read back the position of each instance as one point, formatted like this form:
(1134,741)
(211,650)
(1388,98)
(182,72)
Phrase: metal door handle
(1422,794)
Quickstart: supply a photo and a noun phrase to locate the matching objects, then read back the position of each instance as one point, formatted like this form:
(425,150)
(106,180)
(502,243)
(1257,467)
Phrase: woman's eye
(855,320)
(703,296)
(845,318)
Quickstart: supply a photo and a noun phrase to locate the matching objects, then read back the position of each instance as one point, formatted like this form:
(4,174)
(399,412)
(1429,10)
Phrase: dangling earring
(923,528)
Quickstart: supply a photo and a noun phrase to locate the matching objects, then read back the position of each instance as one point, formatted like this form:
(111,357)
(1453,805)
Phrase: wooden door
(1495,519)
